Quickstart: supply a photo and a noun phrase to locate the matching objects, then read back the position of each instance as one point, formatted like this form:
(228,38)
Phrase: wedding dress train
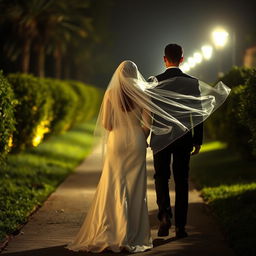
(118,217)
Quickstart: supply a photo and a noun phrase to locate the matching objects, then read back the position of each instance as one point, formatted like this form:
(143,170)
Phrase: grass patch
(228,184)
(29,177)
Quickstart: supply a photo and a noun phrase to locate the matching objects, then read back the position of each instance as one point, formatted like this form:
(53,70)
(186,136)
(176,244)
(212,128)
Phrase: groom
(177,154)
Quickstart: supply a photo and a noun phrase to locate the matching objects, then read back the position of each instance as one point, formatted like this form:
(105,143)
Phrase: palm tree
(46,25)
(73,23)
(23,15)
(62,22)
(87,51)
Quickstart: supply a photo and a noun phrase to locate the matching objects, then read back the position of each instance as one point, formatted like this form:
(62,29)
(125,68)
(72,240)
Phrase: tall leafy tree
(22,17)
(67,36)
(91,56)
(75,23)
(43,25)
(63,22)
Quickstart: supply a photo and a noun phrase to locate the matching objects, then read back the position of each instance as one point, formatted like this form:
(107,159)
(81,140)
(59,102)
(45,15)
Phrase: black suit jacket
(194,137)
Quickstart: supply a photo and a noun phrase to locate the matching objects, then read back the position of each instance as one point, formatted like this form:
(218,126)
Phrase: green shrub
(32,112)
(46,106)
(226,124)
(215,126)
(89,100)
(7,123)
(236,76)
(83,93)
(237,134)
(64,105)
(234,123)
(248,108)
(94,100)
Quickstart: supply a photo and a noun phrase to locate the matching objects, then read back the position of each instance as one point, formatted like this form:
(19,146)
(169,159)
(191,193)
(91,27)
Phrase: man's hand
(196,150)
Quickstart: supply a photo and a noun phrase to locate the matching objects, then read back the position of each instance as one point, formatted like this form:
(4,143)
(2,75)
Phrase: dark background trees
(62,39)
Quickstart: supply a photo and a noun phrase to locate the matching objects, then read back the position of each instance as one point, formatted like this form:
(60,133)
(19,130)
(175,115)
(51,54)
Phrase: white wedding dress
(118,216)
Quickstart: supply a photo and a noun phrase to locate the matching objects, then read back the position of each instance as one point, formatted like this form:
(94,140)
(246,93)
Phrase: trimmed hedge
(64,106)
(248,109)
(89,98)
(235,122)
(32,107)
(7,123)
(236,76)
(94,97)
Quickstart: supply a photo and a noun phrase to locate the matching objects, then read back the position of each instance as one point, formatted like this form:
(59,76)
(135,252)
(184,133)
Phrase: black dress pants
(180,167)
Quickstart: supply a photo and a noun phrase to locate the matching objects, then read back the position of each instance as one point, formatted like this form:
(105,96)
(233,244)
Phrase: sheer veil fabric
(118,215)
(166,109)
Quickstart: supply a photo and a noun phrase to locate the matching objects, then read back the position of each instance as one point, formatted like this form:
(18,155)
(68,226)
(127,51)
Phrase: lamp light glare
(220,37)
(198,57)
(207,51)
(185,67)
(191,62)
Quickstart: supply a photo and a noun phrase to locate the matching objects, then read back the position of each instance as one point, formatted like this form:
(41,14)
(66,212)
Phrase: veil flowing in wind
(169,114)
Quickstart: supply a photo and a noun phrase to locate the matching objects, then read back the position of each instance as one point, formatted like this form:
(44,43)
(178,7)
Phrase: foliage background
(57,38)
(236,119)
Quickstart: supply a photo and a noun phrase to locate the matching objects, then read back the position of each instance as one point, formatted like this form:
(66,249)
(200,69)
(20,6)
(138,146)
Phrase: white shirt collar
(172,67)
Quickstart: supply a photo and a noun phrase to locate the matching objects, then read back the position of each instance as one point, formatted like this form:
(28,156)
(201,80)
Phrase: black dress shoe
(164,226)
(180,232)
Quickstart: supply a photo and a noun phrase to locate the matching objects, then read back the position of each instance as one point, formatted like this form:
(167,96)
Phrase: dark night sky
(142,28)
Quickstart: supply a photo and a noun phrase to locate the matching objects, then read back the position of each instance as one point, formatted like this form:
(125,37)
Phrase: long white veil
(169,108)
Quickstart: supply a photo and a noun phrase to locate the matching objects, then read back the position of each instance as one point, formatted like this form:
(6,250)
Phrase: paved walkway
(58,220)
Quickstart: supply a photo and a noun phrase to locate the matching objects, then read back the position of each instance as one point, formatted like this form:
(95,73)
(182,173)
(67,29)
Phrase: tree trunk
(41,61)
(58,61)
(66,69)
(25,58)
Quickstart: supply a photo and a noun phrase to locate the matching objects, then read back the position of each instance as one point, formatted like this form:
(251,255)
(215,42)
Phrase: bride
(118,216)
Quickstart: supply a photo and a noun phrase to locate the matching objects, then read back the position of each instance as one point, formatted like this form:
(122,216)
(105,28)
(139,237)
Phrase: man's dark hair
(173,52)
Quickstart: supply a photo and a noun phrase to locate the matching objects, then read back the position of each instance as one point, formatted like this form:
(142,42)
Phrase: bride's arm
(146,122)
(107,115)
